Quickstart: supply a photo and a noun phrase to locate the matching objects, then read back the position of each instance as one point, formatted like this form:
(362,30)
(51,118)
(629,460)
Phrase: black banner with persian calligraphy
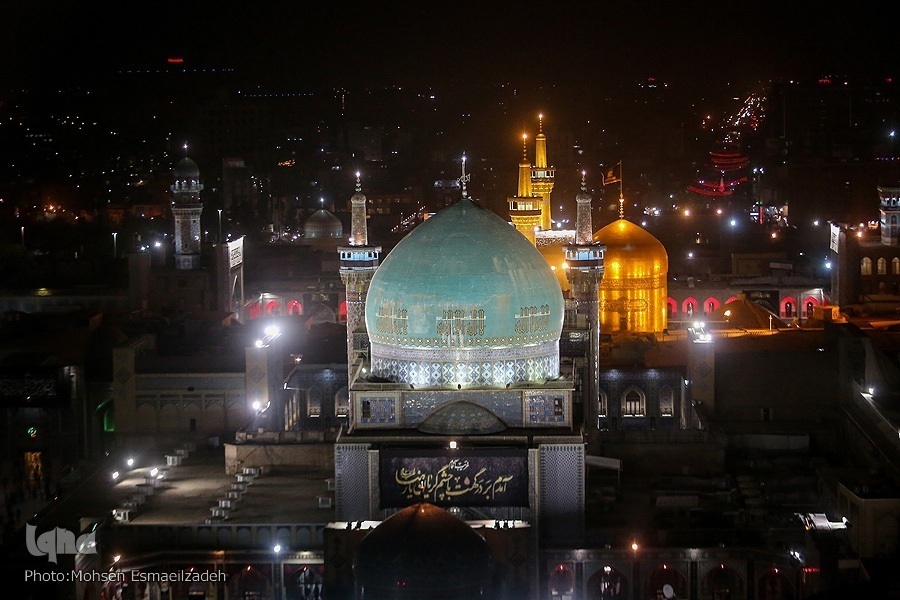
(35,385)
(462,477)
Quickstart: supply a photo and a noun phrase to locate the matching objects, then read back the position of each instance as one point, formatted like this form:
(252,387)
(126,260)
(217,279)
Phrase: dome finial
(621,206)
(540,122)
(184,147)
(464,178)
(358,184)
(583,180)
(525,146)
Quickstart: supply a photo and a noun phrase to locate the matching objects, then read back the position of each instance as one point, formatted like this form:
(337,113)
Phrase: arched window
(633,403)
(809,310)
(882,266)
(272,307)
(562,581)
(294,308)
(895,266)
(865,266)
(689,306)
(342,403)
(671,307)
(602,404)
(788,310)
(666,402)
(711,304)
(314,402)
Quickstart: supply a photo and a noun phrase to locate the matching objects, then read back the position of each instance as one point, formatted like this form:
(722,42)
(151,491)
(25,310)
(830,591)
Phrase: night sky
(335,43)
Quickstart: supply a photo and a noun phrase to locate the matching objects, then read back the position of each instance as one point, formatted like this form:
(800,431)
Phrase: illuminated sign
(835,236)
(235,253)
(175,60)
(462,477)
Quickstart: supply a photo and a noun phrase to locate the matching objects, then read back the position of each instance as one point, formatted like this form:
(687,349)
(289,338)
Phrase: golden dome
(634,287)
(632,251)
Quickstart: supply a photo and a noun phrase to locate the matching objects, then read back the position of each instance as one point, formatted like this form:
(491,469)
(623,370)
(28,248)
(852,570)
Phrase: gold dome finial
(621,206)
(540,122)
(525,146)
(583,181)
(358,183)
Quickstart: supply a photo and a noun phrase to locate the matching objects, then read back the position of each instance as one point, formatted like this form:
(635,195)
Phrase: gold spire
(540,145)
(524,188)
(621,206)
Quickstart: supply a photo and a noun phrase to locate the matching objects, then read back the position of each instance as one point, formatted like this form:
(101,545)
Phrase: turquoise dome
(464,298)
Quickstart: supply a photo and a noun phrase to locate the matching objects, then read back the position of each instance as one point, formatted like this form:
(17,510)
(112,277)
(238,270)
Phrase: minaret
(542,176)
(186,207)
(524,208)
(584,261)
(358,264)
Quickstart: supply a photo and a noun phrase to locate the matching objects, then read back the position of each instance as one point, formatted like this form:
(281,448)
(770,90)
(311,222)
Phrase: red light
(175,60)
(810,569)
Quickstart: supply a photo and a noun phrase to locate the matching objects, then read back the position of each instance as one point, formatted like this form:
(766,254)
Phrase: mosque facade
(455,388)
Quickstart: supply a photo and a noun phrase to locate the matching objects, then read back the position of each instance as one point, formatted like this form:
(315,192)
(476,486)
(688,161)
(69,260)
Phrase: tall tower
(186,207)
(359,261)
(524,207)
(542,176)
(585,270)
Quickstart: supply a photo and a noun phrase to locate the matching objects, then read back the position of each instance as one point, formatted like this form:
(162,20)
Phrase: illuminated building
(187,207)
(633,291)
(542,176)
(524,207)
(463,320)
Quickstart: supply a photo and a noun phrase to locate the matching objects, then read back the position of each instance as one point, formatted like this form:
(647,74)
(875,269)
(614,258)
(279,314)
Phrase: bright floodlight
(115,475)
(272,330)
(453,445)
(257,405)
(277,548)
(130,462)
(259,343)
(634,546)
(117,558)
(153,472)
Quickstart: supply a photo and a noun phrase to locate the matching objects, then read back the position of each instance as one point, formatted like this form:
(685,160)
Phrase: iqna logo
(58,541)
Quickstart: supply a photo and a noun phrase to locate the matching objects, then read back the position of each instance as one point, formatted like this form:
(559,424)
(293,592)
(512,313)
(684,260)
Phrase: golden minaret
(524,207)
(542,176)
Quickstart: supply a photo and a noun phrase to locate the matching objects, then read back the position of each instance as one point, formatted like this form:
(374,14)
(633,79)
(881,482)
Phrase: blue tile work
(494,366)
(373,409)
(561,490)
(547,408)
(506,404)
(352,484)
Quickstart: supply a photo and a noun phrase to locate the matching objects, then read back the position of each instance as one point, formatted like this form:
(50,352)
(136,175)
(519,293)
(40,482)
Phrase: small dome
(422,552)
(743,313)
(631,251)
(633,289)
(186,169)
(323,224)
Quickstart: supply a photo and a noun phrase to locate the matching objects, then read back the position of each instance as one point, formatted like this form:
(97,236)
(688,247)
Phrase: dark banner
(35,385)
(461,477)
